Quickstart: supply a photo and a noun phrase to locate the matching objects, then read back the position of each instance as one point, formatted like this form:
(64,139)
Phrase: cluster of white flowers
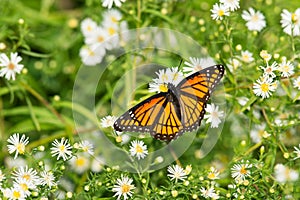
(25,181)
(9,67)
(222,9)
(290,22)
(267,83)
(284,174)
(101,38)
(255,19)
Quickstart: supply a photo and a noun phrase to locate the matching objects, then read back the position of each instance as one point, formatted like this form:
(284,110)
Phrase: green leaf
(249,103)
(158,14)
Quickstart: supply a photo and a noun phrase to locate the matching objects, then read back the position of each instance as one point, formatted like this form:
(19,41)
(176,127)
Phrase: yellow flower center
(62,148)
(91,53)
(24,187)
(221,13)
(114,19)
(11,66)
(80,162)
(20,148)
(16,194)
(211,175)
(111,31)
(264,87)
(163,88)
(26,177)
(243,170)
(294,18)
(139,149)
(254,18)
(285,68)
(100,39)
(89,28)
(246,57)
(125,188)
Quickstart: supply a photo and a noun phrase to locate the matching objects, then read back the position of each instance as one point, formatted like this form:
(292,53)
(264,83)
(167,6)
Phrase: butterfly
(167,115)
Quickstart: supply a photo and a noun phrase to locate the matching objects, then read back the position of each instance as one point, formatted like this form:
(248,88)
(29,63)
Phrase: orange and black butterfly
(167,115)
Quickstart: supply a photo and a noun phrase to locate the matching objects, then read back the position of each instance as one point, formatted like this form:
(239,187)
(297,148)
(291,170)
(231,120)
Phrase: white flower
(88,26)
(123,187)
(231,4)
(269,70)
(17,144)
(233,64)
(24,185)
(169,75)
(176,172)
(109,3)
(9,67)
(47,178)
(97,164)
(258,133)
(290,22)
(284,174)
(92,55)
(138,149)
(296,83)
(286,68)
(98,38)
(264,87)
(297,152)
(265,55)
(241,171)
(209,193)
(86,146)
(213,174)
(197,64)
(255,19)
(112,16)
(61,149)
(219,11)
(108,121)
(14,193)
(79,163)
(247,56)
(214,115)
(27,174)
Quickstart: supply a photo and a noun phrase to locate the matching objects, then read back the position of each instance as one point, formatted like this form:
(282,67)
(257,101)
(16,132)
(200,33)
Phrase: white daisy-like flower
(213,174)
(233,64)
(286,68)
(176,172)
(80,163)
(92,55)
(259,132)
(61,149)
(290,22)
(197,64)
(123,187)
(86,146)
(27,174)
(269,70)
(14,193)
(17,144)
(213,115)
(265,55)
(264,87)
(284,174)
(247,56)
(109,3)
(98,38)
(231,4)
(112,16)
(108,121)
(138,149)
(255,19)
(165,77)
(9,67)
(296,83)
(297,152)
(241,171)
(219,11)
(209,193)
(24,186)
(88,26)
(47,178)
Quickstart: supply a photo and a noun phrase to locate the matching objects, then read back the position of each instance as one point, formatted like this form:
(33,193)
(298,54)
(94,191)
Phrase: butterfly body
(180,109)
